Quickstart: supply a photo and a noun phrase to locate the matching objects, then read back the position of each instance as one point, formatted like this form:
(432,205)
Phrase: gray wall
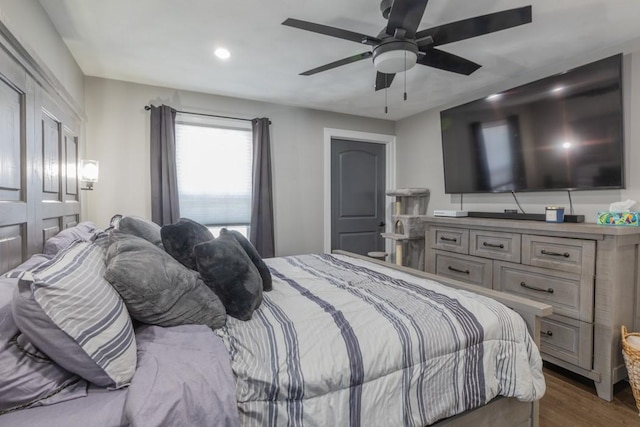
(118,137)
(419,152)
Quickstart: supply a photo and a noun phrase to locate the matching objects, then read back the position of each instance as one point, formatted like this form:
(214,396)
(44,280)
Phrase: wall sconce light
(88,173)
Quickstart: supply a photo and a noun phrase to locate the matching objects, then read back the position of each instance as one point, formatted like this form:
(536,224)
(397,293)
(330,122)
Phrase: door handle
(382,224)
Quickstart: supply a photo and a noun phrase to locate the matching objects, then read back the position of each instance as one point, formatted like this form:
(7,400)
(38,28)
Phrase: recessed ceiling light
(494,97)
(222,53)
(557,89)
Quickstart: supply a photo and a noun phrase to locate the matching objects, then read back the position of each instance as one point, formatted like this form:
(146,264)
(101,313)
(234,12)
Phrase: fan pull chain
(405,75)
(386,110)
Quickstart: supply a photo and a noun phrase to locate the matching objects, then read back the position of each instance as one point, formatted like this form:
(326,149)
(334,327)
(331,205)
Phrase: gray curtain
(261,230)
(164,179)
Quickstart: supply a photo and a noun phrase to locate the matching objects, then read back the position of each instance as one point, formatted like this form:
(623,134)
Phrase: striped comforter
(340,341)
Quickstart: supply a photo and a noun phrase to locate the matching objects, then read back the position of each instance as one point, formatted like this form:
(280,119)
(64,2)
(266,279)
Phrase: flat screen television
(563,132)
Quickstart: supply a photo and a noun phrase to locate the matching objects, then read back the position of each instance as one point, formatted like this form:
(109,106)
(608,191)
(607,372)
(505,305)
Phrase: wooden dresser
(587,272)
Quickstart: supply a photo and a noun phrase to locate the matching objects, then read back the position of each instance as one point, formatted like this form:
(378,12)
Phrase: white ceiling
(170,43)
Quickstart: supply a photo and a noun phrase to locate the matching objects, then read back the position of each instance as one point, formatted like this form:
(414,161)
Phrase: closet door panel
(71,166)
(50,158)
(14,213)
(11,170)
(59,202)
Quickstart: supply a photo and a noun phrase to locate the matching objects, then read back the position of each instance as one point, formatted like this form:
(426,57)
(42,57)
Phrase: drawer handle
(548,333)
(448,239)
(566,254)
(533,288)
(493,245)
(458,271)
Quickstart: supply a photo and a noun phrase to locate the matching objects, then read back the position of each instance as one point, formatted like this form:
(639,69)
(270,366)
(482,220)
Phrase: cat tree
(408,229)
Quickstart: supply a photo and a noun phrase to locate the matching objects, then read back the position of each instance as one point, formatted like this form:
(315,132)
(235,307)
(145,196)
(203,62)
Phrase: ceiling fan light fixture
(395,56)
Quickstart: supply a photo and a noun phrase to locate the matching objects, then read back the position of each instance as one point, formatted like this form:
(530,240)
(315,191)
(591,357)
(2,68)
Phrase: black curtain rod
(147,107)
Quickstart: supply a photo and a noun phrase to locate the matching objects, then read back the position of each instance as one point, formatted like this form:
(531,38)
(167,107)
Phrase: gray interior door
(358,179)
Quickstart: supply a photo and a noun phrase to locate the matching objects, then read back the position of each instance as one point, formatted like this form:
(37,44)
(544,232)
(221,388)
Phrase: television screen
(563,132)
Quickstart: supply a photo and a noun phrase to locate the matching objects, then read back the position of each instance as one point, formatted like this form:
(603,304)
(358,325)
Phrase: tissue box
(618,218)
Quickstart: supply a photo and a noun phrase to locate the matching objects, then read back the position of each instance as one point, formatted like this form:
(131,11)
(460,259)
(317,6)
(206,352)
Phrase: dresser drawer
(468,269)
(495,245)
(570,255)
(569,294)
(567,339)
(450,239)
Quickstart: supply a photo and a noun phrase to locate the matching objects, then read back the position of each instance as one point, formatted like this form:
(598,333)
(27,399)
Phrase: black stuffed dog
(180,238)
(227,270)
(254,256)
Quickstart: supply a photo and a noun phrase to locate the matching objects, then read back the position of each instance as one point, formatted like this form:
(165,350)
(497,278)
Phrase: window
(214,159)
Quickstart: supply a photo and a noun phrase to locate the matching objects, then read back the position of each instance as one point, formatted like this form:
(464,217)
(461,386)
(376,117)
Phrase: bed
(350,342)
(340,339)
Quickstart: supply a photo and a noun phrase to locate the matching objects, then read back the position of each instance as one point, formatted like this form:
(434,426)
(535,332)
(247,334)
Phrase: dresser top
(581,230)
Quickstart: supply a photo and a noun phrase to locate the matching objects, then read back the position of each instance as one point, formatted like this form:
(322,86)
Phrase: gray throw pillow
(227,269)
(140,227)
(180,238)
(254,256)
(156,288)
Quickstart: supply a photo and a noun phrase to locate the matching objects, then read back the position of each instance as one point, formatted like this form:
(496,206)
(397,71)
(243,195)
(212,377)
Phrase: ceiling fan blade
(332,31)
(447,61)
(480,25)
(339,63)
(383,80)
(406,14)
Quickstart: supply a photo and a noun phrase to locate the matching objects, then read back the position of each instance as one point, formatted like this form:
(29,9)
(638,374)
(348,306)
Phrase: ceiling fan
(399,46)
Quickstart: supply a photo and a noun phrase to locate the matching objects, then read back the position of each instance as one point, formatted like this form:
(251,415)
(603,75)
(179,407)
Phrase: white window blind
(213,162)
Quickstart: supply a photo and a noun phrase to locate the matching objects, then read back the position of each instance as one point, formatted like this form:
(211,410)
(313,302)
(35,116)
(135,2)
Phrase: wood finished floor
(571,401)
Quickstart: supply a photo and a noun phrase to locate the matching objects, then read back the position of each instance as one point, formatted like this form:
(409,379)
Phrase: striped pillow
(66,309)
